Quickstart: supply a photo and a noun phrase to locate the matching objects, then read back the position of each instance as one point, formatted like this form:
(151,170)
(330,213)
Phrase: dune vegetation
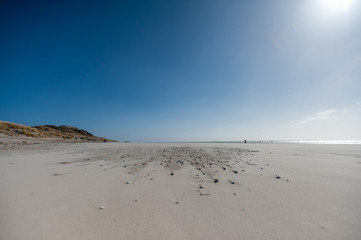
(48,131)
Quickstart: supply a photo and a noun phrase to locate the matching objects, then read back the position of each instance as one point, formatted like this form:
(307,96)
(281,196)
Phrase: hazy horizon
(184,70)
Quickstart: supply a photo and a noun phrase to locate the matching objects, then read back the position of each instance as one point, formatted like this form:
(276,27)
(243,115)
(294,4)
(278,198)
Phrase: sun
(336,5)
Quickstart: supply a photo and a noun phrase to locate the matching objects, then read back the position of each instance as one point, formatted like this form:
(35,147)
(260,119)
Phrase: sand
(179,191)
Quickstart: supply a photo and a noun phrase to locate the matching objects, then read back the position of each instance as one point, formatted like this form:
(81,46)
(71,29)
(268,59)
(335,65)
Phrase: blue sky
(184,70)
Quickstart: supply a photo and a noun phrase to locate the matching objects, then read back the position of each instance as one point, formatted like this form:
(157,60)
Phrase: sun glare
(336,5)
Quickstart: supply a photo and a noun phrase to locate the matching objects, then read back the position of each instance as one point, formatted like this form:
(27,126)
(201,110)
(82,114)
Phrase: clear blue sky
(184,70)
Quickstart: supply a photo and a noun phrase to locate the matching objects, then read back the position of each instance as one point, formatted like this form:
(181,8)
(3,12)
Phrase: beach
(59,190)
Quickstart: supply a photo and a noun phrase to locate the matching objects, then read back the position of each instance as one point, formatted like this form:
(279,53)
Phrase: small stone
(216,180)
(235,194)
(172,174)
(176,202)
(128,182)
(236,172)
(278,177)
(101,207)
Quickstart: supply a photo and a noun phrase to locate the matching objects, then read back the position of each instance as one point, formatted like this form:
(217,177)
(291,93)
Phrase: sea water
(345,141)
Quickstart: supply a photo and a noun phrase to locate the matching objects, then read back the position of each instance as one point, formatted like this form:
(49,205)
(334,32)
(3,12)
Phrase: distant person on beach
(245,141)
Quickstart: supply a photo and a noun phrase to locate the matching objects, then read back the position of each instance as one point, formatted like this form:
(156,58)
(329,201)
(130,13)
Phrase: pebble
(128,182)
(216,180)
(101,207)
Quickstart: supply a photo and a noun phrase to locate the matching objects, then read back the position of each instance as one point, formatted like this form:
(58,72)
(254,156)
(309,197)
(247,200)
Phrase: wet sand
(179,191)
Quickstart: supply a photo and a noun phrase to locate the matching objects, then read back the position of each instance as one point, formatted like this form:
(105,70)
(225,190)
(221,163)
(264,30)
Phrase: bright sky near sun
(187,70)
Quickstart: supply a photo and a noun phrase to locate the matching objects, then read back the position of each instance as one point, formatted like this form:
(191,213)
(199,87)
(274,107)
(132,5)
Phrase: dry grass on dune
(13,129)
(48,131)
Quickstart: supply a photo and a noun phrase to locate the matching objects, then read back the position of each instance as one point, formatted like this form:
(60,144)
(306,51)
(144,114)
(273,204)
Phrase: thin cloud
(331,113)
(320,125)
(327,114)
(317,116)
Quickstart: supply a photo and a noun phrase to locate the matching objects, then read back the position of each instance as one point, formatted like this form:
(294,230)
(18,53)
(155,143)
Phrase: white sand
(54,191)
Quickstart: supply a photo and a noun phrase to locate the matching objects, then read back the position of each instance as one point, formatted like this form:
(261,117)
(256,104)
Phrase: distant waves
(323,142)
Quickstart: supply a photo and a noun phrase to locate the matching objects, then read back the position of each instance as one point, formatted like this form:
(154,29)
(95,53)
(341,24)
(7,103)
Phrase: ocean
(318,141)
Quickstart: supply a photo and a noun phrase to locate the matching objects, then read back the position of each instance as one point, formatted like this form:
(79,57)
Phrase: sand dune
(47,132)
(180,191)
